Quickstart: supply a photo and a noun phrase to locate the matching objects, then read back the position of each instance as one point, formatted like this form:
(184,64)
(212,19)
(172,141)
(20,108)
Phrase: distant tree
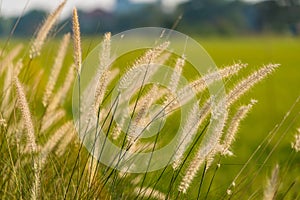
(29,23)
(279,15)
(223,17)
(207,16)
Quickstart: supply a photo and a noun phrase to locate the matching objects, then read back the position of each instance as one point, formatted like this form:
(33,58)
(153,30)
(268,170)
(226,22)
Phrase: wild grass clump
(44,158)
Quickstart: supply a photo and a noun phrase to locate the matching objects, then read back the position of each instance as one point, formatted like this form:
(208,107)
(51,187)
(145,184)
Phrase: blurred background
(256,32)
(200,17)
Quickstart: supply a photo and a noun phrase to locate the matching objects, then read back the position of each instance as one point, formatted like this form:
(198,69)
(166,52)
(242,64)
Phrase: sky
(16,7)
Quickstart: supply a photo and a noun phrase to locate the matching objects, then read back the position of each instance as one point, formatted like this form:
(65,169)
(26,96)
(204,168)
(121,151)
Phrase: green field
(276,95)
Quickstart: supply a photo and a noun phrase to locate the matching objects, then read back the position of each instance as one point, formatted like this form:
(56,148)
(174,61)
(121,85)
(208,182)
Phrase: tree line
(204,17)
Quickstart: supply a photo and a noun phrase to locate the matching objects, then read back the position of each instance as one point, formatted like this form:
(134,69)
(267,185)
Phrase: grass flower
(77,42)
(296,143)
(58,63)
(43,32)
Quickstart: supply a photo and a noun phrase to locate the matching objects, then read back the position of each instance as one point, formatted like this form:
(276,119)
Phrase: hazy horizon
(9,8)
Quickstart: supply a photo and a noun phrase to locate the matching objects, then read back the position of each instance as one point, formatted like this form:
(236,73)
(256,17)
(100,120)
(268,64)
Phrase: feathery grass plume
(105,52)
(211,156)
(62,91)
(118,128)
(103,72)
(203,113)
(208,146)
(68,83)
(146,100)
(163,58)
(8,59)
(106,78)
(152,54)
(2,121)
(272,184)
(247,83)
(26,115)
(154,94)
(149,192)
(113,74)
(200,84)
(76,41)
(57,99)
(141,111)
(190,174)
(186,94)
(141,64)
(43,32)
(52,119)
(210,141)
(65,141)
(233,127)
(235,94)
(7,88)
(186,134)
(53,141)
(101,89)
(171,103)
(176,74)
(56,68)
(296,143)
